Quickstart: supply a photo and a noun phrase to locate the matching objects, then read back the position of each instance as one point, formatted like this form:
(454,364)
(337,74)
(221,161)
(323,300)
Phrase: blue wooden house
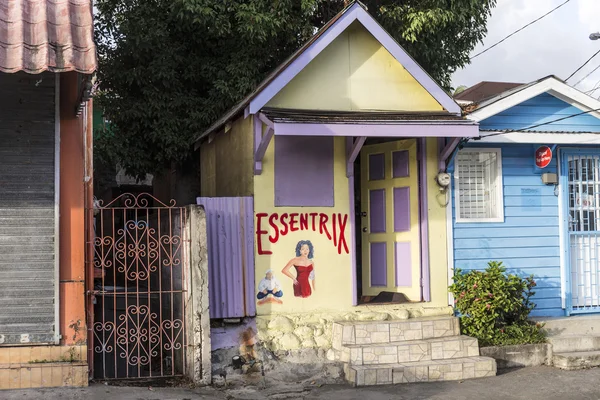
(527,193)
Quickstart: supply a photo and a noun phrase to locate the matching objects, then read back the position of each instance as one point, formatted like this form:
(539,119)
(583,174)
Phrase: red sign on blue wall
(543,156)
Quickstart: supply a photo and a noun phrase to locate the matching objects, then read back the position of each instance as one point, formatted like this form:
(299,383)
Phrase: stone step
(574,325)
(410,351)
(374,332)
(576,359)
(574,343)
(422,371)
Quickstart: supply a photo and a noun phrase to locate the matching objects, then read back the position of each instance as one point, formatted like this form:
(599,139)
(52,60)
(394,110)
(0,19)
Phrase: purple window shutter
(304,171)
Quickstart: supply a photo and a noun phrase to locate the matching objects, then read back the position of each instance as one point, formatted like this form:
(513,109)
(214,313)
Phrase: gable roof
(484,90)
(549,84)
(37,36)
(285,72)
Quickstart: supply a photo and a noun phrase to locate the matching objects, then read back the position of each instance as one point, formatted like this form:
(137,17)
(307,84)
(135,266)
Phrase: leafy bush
(494,306)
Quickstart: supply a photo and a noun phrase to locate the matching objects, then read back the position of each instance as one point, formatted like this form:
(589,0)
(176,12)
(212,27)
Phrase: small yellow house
(340,150)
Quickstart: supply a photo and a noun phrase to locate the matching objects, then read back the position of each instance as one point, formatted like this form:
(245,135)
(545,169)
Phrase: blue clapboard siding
(527,242)
(542,109)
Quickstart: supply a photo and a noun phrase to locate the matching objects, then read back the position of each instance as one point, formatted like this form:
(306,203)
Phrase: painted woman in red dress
(305,269)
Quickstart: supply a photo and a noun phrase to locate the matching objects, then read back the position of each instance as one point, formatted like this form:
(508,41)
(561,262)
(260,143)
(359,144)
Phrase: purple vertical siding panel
(379,264)
(376,167)
(377,210)
(304,171)
(230,237)
(400,164)
(401,209)
(403,260)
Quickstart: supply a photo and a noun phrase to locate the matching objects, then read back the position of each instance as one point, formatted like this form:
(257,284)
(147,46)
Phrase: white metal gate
(583,204)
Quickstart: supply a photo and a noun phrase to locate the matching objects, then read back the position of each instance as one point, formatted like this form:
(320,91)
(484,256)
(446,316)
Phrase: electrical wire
(519,30)
(591,72)
(537,125)
(591,92)
(583,65)
(594,88)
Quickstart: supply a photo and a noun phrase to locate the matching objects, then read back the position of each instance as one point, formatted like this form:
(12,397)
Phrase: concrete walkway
(529,383)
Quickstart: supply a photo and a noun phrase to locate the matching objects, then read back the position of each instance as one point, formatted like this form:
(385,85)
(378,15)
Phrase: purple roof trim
(282,75)
(356,12)
(408,62)
(398,130)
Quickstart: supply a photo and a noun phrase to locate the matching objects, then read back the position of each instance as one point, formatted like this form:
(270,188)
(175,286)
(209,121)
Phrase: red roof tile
(53,35)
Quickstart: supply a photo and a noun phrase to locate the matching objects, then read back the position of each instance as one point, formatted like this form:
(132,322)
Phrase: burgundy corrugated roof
(53,35)
(484,90)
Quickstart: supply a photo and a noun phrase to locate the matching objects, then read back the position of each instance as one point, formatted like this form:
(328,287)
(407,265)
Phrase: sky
(556,45)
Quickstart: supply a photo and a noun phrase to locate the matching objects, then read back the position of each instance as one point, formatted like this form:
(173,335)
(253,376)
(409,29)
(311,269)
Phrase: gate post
(198,351)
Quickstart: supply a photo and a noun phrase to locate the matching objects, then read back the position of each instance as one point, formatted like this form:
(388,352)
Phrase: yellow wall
(25,367)
(355,72)
(438,252)
(333,271)
(226,163)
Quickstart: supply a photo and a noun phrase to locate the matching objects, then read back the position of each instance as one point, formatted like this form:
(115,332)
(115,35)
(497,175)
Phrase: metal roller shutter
(27,208)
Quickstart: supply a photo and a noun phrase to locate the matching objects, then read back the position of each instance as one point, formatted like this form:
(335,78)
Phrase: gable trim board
(551,85)
(283,74)
(355,13)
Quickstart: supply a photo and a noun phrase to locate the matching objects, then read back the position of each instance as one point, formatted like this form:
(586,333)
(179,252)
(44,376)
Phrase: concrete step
(574,343)
(576,359)
(376,332)
(411,351)
(574,325)
(421,371)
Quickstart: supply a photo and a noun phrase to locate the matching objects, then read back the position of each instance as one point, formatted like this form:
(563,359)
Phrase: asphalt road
(528,383)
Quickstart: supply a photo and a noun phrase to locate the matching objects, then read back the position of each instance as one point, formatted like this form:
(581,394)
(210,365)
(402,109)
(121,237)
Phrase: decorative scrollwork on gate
(132,201)
(138,322)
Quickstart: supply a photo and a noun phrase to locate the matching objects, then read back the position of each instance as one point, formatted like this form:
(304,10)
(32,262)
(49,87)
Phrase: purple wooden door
(390,203)
(230,228)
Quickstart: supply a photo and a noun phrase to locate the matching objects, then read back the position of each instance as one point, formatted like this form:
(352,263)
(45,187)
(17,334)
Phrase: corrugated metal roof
(53,35)
(316,116)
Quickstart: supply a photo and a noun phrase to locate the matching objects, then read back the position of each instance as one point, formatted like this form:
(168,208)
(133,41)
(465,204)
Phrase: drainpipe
(89,221)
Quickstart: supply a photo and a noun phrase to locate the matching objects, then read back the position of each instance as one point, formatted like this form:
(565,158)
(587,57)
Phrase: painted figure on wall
(305,269)
(269,290)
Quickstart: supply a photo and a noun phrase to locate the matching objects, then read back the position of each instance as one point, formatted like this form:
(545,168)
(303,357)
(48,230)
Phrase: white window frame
(499,187)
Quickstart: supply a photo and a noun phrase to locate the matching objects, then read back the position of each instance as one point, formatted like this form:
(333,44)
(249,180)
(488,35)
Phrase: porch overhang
(393,129)
(539,137)
(358,131)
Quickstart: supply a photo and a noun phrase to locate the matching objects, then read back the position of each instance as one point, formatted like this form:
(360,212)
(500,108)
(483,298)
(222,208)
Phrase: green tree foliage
(169,68)
(494,306)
